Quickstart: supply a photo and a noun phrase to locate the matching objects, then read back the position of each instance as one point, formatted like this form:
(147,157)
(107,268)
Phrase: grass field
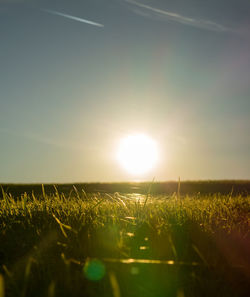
(92,244)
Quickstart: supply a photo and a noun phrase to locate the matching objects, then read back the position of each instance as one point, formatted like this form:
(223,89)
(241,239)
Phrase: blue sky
(178,71)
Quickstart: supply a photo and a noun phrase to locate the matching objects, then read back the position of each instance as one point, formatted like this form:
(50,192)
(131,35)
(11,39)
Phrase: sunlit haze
(77,77)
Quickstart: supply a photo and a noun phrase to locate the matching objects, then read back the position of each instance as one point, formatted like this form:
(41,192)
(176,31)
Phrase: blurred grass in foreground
(124,245)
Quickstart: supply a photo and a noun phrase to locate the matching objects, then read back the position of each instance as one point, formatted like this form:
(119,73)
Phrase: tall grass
(47,240)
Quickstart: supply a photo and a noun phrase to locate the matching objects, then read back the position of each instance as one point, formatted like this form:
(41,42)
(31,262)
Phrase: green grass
(124,245)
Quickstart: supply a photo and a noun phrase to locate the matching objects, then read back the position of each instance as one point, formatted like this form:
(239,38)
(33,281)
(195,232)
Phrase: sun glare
(137,153)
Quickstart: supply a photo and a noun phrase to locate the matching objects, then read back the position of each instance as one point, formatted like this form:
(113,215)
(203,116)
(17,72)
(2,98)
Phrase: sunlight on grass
(115,239)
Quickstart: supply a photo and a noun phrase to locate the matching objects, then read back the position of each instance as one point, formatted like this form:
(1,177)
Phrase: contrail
(72,17)
(199,23)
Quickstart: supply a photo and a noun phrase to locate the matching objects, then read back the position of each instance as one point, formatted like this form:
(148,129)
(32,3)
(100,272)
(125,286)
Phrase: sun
(137,153)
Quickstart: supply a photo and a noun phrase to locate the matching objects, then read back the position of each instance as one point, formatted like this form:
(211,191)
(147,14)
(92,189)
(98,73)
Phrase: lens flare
(94,270)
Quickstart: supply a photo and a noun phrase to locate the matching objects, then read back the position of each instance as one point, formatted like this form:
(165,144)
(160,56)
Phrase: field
(77,243)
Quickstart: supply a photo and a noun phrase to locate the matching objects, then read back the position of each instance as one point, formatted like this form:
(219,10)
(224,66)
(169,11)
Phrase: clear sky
(178,71)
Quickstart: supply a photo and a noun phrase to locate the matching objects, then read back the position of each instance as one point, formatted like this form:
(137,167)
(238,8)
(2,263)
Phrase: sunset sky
(78,76)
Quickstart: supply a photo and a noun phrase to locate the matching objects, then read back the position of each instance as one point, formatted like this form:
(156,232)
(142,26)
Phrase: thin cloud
(198,23)
(70,145)
(72,17)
